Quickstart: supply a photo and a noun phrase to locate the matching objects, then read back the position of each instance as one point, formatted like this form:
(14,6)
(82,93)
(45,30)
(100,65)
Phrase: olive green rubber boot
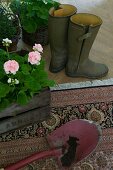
(58,34)
(82,32)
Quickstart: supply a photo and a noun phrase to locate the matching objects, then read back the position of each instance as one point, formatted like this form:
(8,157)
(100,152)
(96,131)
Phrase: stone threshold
(92,83)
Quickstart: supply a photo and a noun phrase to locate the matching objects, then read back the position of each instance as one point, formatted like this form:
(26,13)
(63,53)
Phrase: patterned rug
(92,103)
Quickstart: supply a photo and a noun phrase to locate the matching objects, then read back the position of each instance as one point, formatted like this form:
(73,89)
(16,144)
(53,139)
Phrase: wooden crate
(16,116)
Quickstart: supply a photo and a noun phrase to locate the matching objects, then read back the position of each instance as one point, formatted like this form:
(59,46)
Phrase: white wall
(83,5)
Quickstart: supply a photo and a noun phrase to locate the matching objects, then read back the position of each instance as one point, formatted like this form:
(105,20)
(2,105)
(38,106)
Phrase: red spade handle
(53,152)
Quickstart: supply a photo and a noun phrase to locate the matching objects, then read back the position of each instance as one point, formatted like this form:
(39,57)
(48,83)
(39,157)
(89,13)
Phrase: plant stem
(7,52)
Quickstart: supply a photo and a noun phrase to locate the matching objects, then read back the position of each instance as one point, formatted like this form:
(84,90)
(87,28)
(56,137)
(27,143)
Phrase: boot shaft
(83,29)
(58,24)
(58,34)
(82,32)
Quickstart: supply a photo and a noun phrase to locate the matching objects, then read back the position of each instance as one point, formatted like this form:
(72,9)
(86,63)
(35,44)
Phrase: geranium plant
(21,77)
(33,14)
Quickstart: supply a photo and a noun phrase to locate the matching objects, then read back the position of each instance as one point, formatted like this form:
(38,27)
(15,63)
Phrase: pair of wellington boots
(71,37)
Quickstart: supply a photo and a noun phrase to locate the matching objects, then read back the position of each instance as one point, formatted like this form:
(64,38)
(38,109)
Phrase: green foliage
(8,24)
(22,98)
(32,13)
(4,89)
(4,103)
(32,79)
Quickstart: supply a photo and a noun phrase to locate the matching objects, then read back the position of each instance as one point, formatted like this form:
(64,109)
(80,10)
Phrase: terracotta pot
(16,116)
(39,37)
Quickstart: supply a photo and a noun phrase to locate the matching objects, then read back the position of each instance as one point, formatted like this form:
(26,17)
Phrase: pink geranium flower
(34,57)
(11,66)
(38,47)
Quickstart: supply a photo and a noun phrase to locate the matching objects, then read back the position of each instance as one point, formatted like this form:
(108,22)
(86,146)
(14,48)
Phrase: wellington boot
(83,29)
(58,33)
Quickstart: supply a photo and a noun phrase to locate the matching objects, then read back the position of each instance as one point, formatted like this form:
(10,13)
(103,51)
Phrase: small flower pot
(16,116)
(39,37)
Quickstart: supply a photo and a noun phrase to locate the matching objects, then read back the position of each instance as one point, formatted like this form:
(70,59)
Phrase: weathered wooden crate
(16,116)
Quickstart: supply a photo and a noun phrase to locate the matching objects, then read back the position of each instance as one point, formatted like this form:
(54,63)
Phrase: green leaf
(35,74)
(22,98)
(42,65)
(32,84)
(2,52)
(4,89)
(51,83)
(17,57)
(43,74)
(15,6)
(47,83)
(30,25)
(25,69)
(4,103)
(20,76)
(2,72)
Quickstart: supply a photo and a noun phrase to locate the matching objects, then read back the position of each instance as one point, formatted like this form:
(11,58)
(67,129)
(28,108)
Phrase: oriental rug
(68,102)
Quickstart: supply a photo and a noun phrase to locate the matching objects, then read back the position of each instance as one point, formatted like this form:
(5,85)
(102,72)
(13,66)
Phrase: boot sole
(86,76)
(56,70)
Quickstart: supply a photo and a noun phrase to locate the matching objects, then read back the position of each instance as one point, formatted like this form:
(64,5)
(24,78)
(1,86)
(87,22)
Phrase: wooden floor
(102,50)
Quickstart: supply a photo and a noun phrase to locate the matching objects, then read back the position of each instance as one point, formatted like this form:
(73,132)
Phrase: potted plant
(9,27)
(24,88)
(33,16)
